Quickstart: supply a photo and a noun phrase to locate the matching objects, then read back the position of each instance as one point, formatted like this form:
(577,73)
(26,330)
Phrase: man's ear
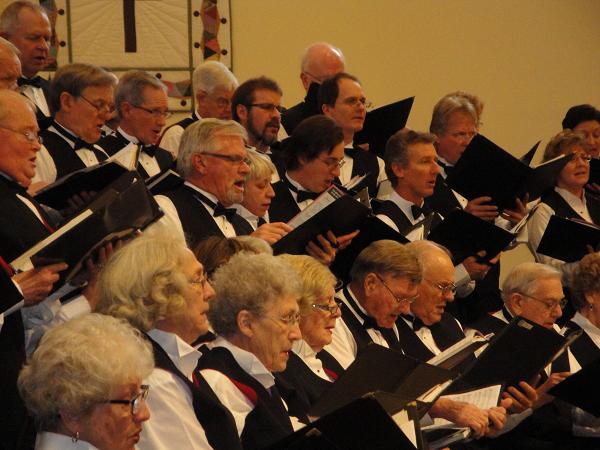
(242,113)
(398,170)
(515,303)
(199,163)
(67,101)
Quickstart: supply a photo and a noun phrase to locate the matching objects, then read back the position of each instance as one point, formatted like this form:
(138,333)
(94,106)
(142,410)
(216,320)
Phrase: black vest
(216,420)
(196,221)
(283,206)
(113,143)
(390,209)
(269,421)
(364,162)
(584,350)
(561,207)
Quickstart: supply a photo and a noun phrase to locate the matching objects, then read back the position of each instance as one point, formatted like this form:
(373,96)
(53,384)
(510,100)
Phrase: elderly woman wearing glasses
(85,390)
(306,377)
(255,314)
(568,199)
(158,286)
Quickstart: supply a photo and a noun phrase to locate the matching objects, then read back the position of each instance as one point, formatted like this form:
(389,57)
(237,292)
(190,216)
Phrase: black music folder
(485,169)
(581,389)
(332,210)
(89,179)
(381,123)
(595,171)
(528,157)
(372,229)
(568,239)
(164,181)
(465,235)
(403,376)
(362,424)
(121,209)
(517,353)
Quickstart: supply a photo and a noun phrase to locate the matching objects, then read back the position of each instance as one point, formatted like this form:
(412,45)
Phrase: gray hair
(260,166)
(425,251)
(213,74)
(204,136)
(143,282)
(9,19)
(250,282)
(78,364)
(397,149)
(75,78)
(131,87)
(523,278)
(386,257)
(458,101)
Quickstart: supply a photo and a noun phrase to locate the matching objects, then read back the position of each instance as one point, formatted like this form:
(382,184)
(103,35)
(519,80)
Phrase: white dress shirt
(36,95)
(172,137)
(343,346)
(346,169)
(173,422)
(309,357)
(54,441)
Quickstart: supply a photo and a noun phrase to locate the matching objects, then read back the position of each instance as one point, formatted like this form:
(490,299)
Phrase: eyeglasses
(31,136)
(136,401)
(584,157)
(222,102)
(353,102)
(444,287)
(201,282)
(333,163)
(100,106)
(234,159)
(549,305)
(156,113)
(464,135)
(288,320)
(398,299)
(270,107)
(327,308)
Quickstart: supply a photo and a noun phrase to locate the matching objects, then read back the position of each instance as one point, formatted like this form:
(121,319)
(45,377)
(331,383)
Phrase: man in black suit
(23,223)
(342,98)
(26,25)
(142,107)
(213,164)
(213,85)
(82,98)
(319,62)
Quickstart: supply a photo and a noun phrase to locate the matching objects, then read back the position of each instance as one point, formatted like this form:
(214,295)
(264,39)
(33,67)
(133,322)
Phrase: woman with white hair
(306,377)
(159,287)
(255,314)
(85,391)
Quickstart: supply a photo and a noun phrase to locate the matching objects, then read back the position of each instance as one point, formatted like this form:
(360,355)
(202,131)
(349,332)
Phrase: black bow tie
(416,211)
(301,194)
(80,143)
(35,81)
(150,150)
(447,168)
(261,221)
(220,210)
(417,323)
(349,151)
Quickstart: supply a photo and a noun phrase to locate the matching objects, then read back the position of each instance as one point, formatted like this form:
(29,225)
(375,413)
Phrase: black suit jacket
(113,143)
(364,163)
(20,229)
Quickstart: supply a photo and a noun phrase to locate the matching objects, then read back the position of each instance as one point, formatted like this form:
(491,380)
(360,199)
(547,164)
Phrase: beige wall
(528,60)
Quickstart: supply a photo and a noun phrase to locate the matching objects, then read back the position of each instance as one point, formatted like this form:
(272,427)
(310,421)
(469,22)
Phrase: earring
(76,437)
(591,306)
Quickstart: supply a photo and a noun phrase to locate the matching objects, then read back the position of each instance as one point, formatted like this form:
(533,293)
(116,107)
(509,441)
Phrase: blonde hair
(316,278)
(143,282)
(562,143)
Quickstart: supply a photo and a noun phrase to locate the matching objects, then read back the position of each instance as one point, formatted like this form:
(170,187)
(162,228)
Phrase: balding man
(10,66)
(27,26)
(213,86)
(319,62)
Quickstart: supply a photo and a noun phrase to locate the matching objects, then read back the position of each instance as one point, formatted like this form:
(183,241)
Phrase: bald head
(437,287)
(319,62)
(10,66)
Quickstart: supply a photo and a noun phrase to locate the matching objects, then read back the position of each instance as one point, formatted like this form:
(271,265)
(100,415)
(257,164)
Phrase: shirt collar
(403,204)
(587,326)
(356,302)
(184,356)
(55,441)
(69,136)
(571,199)
(208,195)
(247,361)
(129,137)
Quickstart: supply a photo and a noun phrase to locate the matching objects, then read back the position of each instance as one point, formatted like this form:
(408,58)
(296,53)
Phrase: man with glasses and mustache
(342,98)
(319,62)
(142,108)
(82,98)
(213,85)
(214,164)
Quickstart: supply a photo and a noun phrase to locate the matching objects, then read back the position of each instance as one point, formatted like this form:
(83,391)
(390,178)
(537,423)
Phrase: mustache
(274,122)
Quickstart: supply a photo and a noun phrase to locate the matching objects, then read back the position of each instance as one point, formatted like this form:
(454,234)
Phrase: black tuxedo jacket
(113,143)
(20,229)
(283,206)
(364,163)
